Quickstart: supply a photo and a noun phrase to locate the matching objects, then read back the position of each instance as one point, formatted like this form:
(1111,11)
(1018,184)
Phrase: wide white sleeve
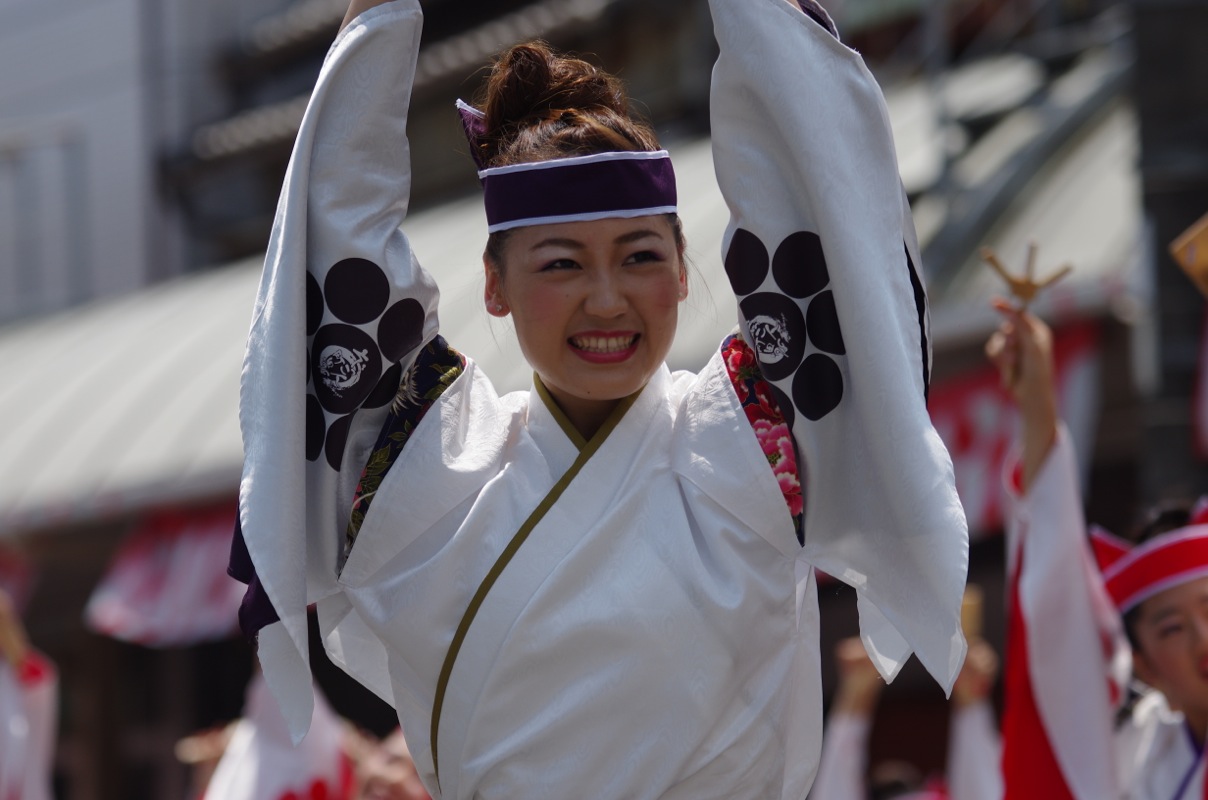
(844,760)
(974,753)
(1075,648)
(822,254)
(342,310)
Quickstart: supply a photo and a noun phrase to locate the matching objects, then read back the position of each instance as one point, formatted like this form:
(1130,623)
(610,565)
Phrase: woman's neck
(587,416)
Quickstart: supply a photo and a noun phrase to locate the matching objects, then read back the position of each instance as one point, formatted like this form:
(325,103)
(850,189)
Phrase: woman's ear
(492,294)
(683,280)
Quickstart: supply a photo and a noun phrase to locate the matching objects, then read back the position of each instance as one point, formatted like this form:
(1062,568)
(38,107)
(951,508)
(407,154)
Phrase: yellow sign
(1190,250)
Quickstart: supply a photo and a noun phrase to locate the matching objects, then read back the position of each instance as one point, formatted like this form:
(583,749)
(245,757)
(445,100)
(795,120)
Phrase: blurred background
(142,146)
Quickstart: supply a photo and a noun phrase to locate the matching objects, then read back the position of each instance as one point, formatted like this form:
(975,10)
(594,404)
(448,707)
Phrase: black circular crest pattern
(781,328)
(345,365)
(799,266)
(316,428)
(746,262)
(401,329)
(356,291)
(337,438)
(777,330)
(817,387)
(386,388)
(822,322)
(314,305)
(346,369)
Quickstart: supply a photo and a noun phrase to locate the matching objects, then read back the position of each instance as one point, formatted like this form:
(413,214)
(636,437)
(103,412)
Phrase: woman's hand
(976,677)
(358,7)
(860,684)
(1022,350)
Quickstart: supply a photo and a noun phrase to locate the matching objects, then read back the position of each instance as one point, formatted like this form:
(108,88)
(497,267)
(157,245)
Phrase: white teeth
(603,344)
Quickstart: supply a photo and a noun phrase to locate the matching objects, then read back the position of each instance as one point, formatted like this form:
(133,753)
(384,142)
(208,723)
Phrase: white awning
(130,402)
(125,403)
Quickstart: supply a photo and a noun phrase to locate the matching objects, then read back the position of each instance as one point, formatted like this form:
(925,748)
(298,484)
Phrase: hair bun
(539,104)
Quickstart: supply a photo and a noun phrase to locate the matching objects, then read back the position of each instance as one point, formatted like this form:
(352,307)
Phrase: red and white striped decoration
(978,421)
(167,585)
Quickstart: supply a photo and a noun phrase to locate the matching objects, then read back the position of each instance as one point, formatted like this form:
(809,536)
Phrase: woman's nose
(605,297)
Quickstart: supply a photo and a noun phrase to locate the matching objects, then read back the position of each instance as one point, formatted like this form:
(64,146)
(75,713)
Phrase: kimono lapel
(470,412)
(555,526)
(716,450)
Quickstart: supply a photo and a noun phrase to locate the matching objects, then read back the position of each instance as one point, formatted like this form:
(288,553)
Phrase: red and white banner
(978,421)
(167,585)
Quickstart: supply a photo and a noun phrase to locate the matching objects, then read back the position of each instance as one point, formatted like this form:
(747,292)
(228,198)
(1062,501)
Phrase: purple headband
(620,184)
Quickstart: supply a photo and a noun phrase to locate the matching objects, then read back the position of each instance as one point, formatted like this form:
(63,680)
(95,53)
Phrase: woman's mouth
(604,348)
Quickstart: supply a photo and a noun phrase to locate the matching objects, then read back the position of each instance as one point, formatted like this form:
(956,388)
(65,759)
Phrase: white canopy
(131,402)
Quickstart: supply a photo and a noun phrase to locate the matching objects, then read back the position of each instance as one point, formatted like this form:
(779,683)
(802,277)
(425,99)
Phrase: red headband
(1134,574)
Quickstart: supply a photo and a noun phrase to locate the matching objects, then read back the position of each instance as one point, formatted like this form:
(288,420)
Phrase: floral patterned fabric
(438,365)
(767,421)
(434,370)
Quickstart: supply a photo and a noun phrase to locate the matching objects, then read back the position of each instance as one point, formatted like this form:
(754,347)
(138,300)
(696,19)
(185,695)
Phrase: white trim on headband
(574,161)
(591,216)
(1157,587)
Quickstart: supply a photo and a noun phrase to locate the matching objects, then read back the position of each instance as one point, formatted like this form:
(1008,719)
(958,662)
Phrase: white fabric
(28,724)
(844,762)
(974,754)
(644,649)
(657,635)
(801,143)
(282,494)
(261,761)
(1069,620)
(1156,755)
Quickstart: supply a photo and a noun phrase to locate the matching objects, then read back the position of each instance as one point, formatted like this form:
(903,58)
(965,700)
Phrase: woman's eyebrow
(574,244)
(633,236)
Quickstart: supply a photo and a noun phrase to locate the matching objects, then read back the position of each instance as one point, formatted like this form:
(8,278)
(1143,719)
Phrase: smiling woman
(604,585)
(594,305)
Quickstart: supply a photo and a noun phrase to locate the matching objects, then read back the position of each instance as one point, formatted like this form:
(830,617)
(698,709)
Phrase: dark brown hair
(541,105)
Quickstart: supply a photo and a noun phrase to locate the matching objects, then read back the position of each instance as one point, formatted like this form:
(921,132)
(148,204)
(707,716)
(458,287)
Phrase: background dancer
(1069,651)
(29,699)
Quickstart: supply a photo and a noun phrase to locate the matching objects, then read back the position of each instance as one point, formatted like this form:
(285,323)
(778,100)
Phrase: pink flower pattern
(767,422)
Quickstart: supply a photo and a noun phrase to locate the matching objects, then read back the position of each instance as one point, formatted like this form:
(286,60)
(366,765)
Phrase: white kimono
(1076,651)
(260,761)
(656,633)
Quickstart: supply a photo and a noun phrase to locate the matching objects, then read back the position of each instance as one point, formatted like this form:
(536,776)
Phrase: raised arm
(1064,639)
(342,310)
(29,698)
(822,256)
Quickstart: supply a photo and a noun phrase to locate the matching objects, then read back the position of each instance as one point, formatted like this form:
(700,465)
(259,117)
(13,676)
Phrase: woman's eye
(559,264)
(1169,630)
(643,257)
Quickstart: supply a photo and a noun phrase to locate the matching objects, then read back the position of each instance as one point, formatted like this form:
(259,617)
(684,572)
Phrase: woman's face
(1171,630)
(594,304)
